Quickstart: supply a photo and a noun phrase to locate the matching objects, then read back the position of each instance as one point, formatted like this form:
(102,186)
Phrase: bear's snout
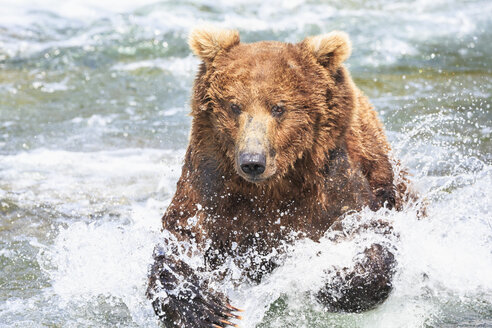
(253,153)
(252,164)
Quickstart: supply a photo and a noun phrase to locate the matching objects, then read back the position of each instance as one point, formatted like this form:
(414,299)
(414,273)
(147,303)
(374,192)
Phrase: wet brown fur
(331,153)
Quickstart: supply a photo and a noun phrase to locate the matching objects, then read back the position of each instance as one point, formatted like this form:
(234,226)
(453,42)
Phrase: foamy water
(93,129)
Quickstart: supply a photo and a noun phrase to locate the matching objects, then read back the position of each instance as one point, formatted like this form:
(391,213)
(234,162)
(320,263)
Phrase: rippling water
(93,128)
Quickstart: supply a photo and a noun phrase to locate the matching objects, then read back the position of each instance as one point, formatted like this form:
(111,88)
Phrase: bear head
(268,107)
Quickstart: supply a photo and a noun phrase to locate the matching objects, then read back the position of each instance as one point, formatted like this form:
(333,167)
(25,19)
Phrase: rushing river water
(94,97)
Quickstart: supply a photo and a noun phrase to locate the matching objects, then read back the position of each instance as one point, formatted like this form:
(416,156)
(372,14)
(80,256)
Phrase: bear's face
(261,109)
(265,101)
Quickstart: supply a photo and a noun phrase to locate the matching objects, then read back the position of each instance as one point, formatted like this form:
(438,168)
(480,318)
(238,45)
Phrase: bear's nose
(252,164)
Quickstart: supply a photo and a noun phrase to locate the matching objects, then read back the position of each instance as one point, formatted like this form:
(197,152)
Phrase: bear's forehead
(267,72)
(266,67)
(264,58)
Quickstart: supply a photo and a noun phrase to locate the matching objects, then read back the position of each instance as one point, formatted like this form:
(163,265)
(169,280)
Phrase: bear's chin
(256,179)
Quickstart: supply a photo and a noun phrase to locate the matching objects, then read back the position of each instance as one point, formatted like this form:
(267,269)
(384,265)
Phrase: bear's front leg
(364,287)
(181,300)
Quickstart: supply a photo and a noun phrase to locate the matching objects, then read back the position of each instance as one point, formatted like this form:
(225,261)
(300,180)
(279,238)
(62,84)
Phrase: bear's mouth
(254,179)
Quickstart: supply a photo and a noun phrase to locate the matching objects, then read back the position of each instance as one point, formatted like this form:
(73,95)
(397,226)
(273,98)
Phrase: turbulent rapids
(94,97)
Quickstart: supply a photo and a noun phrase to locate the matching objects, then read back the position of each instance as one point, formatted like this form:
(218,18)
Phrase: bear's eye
(278,110)
(236,109)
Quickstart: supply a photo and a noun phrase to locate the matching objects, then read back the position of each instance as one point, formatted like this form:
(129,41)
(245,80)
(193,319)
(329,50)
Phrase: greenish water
(93,127)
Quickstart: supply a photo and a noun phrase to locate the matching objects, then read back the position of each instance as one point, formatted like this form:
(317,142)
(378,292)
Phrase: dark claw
(234,308)
(232,315)
(227,322)
(220,314)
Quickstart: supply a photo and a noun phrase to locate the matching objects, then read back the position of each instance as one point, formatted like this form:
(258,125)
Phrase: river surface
(94,97)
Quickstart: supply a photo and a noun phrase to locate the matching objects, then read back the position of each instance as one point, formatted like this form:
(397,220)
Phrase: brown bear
(280,134)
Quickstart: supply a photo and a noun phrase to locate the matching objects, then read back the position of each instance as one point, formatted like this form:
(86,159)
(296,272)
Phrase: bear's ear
(207,42)
(331,49)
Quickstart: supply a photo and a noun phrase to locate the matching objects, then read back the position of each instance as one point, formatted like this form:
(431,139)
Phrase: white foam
(73,180)
(108,259)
